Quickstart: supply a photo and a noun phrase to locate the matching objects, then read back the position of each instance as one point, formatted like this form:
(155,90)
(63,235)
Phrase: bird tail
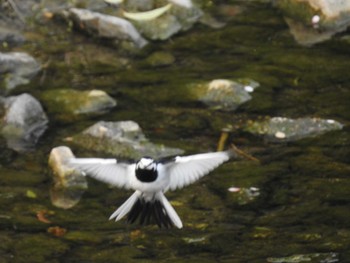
(148,210)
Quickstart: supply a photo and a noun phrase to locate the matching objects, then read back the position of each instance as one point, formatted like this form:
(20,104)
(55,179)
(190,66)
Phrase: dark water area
(301,210)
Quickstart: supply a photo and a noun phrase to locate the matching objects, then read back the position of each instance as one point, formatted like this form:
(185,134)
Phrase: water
(302,210)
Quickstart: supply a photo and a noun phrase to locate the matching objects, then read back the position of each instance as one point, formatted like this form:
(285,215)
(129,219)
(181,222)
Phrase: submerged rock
(123,139)
(69,184)
(67,102)
(313,21)
(225,94)
(23,123)
(105,26)
(280,129)
(17,68)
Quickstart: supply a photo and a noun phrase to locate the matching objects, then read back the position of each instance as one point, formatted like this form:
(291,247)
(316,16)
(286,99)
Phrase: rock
(67,102)
(313,21)
(225,94)
(69,184)
(123,139)
(105,26)
(23,123)
(17,68)
(280,129)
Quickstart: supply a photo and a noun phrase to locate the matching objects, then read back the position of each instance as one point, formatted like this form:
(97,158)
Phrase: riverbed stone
(282,129)
(16,68)
(225,94)
(105,26)
(123,139)
(313,21)
(69,184)
(66,104)
(23,122)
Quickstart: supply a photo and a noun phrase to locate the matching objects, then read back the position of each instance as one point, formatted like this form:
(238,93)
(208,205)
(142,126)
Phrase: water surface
(303,206)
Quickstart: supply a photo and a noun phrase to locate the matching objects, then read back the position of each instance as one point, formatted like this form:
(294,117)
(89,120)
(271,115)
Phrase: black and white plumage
(151,179)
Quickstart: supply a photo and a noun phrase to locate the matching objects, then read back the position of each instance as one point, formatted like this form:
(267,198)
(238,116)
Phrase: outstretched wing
(104,170)
(188,169)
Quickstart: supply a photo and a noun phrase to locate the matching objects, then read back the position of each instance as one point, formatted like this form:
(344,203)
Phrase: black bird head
(146,170)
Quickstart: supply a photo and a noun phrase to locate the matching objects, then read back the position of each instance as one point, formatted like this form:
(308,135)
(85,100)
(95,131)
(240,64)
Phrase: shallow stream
(301,210)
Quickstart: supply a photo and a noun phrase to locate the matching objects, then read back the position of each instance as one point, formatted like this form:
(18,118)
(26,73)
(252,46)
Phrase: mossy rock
(69,104)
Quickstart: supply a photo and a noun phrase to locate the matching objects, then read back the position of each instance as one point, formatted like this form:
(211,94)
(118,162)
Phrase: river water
(293,206)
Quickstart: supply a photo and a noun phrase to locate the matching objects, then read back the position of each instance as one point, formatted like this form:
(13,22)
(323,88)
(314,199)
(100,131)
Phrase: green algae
(69,105)
(38,248)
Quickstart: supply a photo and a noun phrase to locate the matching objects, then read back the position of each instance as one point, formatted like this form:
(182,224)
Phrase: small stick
(240,152)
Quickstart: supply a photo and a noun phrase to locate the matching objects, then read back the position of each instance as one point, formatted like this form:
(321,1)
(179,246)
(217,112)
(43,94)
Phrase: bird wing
(186,170)
(104,170)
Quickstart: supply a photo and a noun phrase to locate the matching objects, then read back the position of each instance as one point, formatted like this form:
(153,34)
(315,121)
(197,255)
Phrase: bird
(150,179)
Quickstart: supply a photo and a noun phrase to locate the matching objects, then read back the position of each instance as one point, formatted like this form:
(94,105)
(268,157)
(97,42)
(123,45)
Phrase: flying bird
(151,179)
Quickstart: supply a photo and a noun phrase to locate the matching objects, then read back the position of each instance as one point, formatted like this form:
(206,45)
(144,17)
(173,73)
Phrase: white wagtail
(151,179)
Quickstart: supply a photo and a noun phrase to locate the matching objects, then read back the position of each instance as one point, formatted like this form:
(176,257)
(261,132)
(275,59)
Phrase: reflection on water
(301,212)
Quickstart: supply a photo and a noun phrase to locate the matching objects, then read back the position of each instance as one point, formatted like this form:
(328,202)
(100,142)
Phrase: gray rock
(17,68)
(106,26)
(67,102)
(307,36)
(226,94)
(314,21)
(123,139)
(69,184)
(280,129)
(23,123)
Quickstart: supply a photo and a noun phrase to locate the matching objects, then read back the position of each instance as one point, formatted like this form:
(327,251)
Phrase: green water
(303,206)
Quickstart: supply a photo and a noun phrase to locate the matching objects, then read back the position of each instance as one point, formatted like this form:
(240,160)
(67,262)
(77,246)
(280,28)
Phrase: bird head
(146,163)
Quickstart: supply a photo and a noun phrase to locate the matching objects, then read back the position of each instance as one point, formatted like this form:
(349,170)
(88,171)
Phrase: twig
(240,152)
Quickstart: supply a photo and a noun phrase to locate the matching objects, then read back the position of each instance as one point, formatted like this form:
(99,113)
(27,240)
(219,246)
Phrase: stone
(23,122)
(124,139)
(225,94)
(106,26)
(314,21)
(17,68)
(67,102)
(69,184)
(281,129)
